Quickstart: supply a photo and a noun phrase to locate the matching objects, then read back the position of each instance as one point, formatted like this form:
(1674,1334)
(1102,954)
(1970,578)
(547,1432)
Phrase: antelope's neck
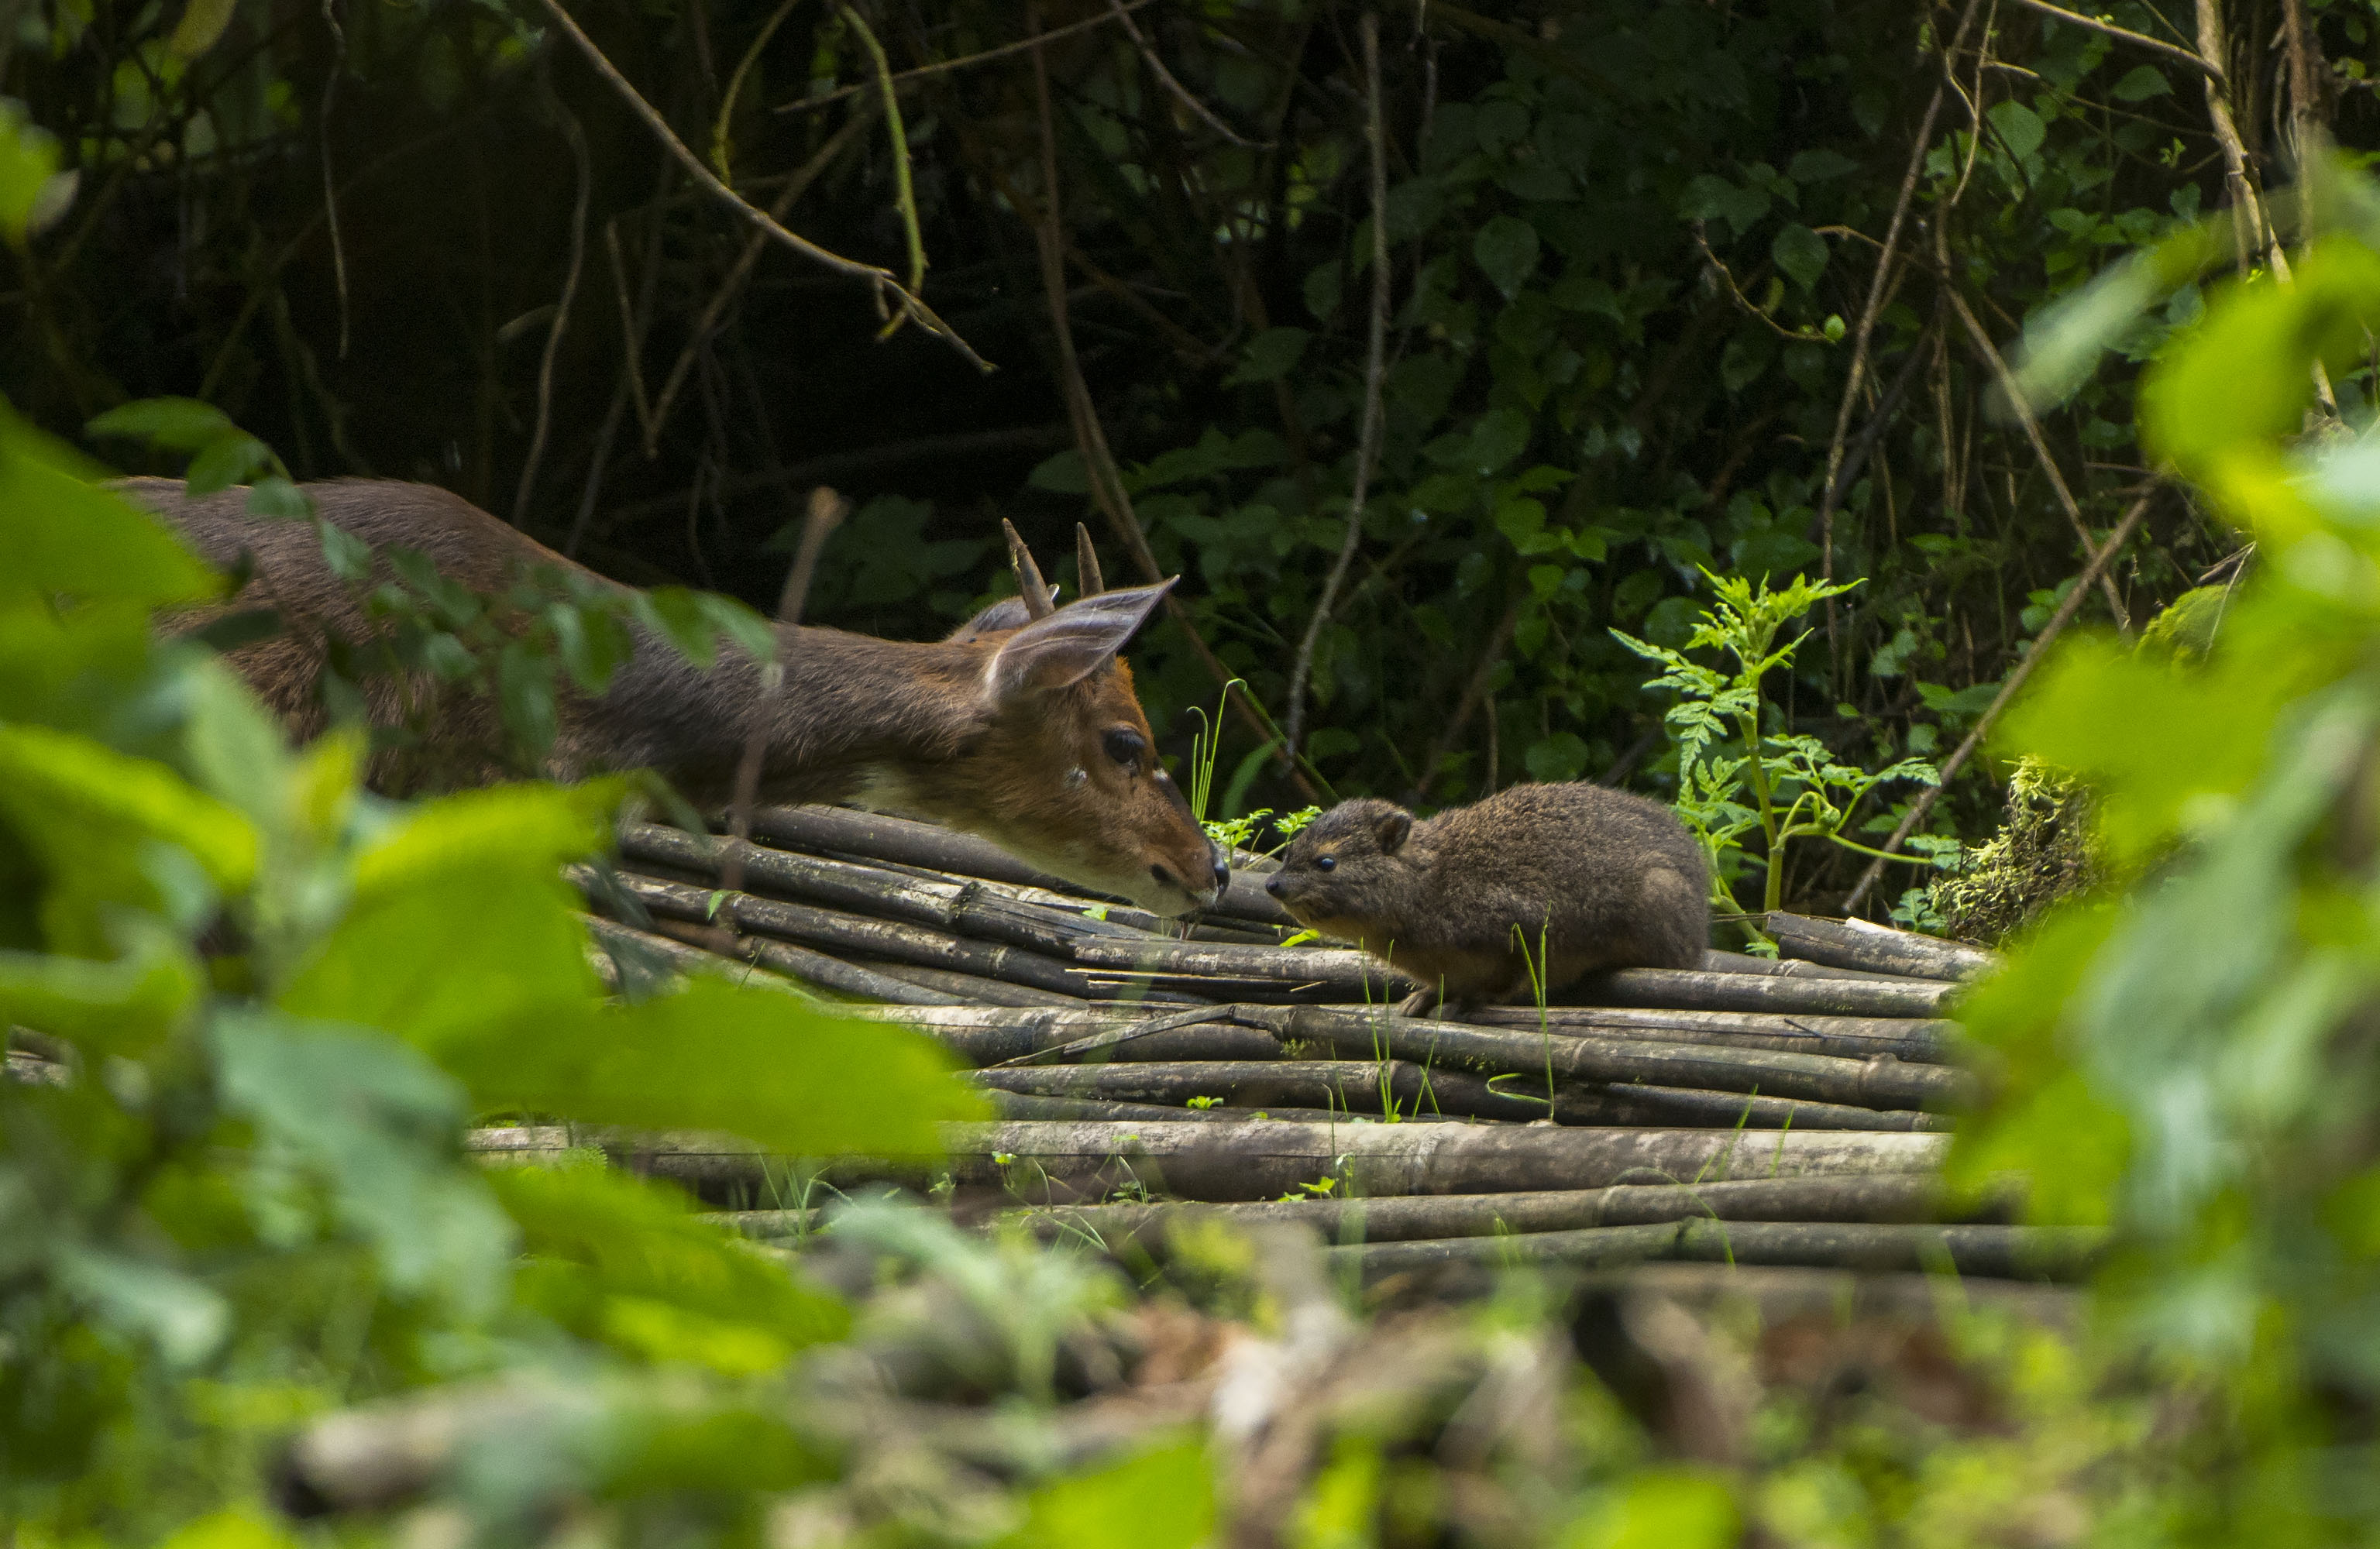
(850,715)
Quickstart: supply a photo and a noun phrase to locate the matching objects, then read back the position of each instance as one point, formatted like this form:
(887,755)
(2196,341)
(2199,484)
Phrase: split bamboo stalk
(951,988)
(959,908)
(1888,1197)
(899,839)
(1048,1106)
(1265,1158)
(799,962)
(993,1035)
(860,935)
(1923,1041)
(1716,961)
(1335,966)
(1684,989)
(1882,1081)
(1990,1251)
(1857,944)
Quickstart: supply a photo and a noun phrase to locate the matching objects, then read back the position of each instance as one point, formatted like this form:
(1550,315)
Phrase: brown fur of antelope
(1022,726)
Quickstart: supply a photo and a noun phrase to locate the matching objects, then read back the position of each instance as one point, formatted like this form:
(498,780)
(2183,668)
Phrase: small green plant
(1737,775)
(1204,1103)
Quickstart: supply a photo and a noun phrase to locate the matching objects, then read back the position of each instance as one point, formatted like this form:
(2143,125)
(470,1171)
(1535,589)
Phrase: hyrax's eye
(1126,746)
(1326,863)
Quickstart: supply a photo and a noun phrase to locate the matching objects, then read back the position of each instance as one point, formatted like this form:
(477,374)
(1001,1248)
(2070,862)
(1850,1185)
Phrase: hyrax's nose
(1272,884)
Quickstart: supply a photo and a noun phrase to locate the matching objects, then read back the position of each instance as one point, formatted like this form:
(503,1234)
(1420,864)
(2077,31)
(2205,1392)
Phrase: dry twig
(1367,440)
(580,160)
(827,509)
(886,285)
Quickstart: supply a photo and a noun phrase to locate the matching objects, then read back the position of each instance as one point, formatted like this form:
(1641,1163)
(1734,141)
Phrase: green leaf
(1160,1498)
(182,1317)
(624,1261)
(2021,128)
(275,497)
(124,1007)
(1669,1506)
(202,23)
(1819,166)
(378,1127)
(1062,474)
(1498,437)
(96,817)
(525,691)
(738,625)
(1270,357)
(1559,757)
(227,460)
(1506,249)
(686,1061)
(1321,290)
(32,192)
(171,424)
(1800,253)
(62,535)
(532,828)
(679,616)
(2141,83)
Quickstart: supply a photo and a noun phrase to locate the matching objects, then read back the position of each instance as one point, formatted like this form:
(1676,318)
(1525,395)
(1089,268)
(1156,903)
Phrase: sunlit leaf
(63,534)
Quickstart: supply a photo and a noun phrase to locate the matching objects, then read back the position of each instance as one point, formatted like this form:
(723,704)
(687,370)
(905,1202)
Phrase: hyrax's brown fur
(1603,879)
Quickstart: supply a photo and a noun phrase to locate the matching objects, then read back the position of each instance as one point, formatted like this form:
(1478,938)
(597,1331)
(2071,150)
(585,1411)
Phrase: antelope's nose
(1222,874)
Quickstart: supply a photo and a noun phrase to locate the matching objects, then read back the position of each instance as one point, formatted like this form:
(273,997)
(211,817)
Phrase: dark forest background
(1671,287)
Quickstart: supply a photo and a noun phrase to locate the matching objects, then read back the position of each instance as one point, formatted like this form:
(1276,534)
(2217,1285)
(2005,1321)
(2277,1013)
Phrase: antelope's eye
(1126,746)
(1326,863)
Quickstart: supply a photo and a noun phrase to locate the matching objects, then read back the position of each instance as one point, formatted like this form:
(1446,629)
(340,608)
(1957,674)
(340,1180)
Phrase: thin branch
(812,104)
(827,509)
(579,160)
(2009,389)
(1725,277)
(904,194)
(740,272)
(1090,439)
(1474,693)
(329,186)
(1181,93)
(2137,39)
(885,285)
(1886,260)
(719,157)
(1367,440)
(2016,675)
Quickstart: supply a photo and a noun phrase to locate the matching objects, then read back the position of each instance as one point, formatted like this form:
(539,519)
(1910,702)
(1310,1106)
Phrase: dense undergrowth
(256,1006)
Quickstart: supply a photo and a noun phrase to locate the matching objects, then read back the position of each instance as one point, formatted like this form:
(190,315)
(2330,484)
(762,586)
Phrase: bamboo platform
(1772,1111)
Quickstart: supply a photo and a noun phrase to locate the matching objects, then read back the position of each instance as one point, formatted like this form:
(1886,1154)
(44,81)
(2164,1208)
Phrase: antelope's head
(1063,771)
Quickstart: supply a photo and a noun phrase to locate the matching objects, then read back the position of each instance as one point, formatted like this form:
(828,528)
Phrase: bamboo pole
(987,1035)
(1716,961)
(1882,1081)
(1684,989)
(860,935)
(949,986)
(1922,1042)
(799,962)
(1336,966)
(1907,1197)
(1857,944)
(1990,1251)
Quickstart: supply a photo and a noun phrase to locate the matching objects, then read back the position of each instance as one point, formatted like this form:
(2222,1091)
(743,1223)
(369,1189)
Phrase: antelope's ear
(1071,644)
(1393,829)
(1008,613)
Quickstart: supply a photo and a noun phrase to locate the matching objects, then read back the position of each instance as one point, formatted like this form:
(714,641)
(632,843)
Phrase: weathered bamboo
(1265,1160)
(1925,1042)
(1093,1044)
(951,988)
(675,955)
(961,909)
(1686,1107)
(1336,966)
(925,844)
(1349,1085)
(1716,961)
(1048,1105)
(1262,1158)
(1678,988)
(815,968)
(1880,1082)
(994,1036)
(1888,1197)
(859,935)
(1989,1251)
(1857,944)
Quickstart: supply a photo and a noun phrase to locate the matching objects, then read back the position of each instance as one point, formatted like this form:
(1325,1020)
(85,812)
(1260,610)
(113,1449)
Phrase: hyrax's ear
(1391,828)
(1071,644)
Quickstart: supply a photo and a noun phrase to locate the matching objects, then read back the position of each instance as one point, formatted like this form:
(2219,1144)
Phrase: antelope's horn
(1086,564)
(1037,602)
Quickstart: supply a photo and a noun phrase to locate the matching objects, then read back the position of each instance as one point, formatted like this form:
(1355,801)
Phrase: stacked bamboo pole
(1767,1111)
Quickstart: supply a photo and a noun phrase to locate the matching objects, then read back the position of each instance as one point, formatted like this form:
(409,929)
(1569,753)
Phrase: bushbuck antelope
(1022,726)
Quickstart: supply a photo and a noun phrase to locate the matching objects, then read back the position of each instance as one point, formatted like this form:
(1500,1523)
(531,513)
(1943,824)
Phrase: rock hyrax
(1603,878)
